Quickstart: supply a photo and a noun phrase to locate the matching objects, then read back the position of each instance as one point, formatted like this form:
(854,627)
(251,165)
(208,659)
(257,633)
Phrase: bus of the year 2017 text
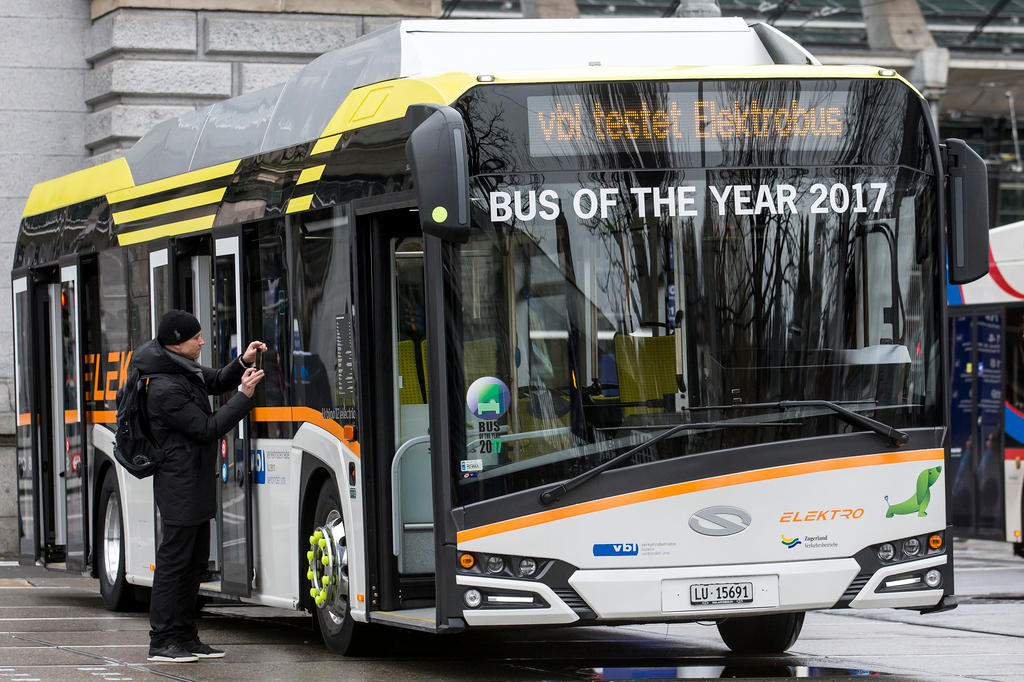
(986,324)
(570,323)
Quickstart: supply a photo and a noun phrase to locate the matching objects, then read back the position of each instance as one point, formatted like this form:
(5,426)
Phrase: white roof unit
(297,111)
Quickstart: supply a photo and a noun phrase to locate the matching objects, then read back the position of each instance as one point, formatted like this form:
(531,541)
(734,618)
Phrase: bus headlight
(527,567)
(932,578)
(911,546)
(495,564)
(886,552)
(472,598)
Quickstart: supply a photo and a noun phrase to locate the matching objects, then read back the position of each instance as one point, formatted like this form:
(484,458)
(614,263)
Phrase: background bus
(665,341)
(987,399)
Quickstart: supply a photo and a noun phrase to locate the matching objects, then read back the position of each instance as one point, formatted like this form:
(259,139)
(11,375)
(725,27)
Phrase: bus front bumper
(668,594)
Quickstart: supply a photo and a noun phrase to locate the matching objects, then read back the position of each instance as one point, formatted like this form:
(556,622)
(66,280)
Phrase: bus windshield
(690,289)
(601,306)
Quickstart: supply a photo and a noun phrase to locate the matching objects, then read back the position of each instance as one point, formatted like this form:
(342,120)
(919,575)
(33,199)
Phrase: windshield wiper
(557,492)
(849,416)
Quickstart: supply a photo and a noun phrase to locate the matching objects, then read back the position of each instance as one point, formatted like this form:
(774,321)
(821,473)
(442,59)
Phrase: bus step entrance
(413,619)
(418,589)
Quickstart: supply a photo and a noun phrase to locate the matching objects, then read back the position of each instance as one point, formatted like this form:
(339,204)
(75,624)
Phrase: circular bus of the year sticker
(488,398)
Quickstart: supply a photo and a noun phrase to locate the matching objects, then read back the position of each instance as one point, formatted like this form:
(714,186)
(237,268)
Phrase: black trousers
(181,561)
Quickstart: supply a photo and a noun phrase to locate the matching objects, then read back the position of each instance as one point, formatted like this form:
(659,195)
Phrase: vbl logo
(618,549)
(259,467)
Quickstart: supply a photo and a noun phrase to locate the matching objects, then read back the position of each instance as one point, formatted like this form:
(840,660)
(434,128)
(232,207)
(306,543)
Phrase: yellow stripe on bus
(79,186)
(299,204)
(174,182)
(70,416)
(169,230)
(388,101)
(695,486)
(25,419)
(310,174)
(325,144)
(101,416)
(213,196)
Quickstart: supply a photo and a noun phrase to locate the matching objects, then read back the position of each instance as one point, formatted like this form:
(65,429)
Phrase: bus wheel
(117,594)
(768,634)
(328,579)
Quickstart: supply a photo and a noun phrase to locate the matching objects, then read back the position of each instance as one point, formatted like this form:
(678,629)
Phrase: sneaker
(173,652)
(197,648)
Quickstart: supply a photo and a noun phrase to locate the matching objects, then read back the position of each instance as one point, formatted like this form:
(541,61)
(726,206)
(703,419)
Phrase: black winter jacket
(187,430)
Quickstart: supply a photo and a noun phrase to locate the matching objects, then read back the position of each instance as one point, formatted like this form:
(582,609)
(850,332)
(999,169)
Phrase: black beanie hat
(177,326)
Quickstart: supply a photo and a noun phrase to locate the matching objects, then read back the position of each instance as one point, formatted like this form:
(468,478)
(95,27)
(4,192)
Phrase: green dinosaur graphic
(917,502)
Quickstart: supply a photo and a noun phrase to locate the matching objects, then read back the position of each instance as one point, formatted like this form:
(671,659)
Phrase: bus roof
(302,108)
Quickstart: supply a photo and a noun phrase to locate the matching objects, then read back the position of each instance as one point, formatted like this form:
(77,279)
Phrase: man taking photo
(184,485)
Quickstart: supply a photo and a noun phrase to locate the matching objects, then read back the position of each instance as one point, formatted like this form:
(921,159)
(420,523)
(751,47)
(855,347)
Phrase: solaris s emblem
(720,520)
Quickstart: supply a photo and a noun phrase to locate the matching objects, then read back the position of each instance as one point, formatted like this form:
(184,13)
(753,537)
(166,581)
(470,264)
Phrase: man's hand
(250,378)
(249,356)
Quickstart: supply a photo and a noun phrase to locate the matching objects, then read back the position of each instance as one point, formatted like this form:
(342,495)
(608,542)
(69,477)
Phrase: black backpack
(134,448)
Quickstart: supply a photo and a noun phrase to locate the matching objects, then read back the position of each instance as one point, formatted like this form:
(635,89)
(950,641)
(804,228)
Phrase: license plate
(706,594)
(719,593)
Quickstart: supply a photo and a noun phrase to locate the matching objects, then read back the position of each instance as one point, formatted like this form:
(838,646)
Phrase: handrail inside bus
(396,499)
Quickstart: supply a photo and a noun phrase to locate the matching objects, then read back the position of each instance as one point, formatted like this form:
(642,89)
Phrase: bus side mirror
(439,163)
(967,208)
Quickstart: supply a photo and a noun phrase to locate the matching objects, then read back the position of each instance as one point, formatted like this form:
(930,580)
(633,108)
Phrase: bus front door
(412,502)
(390,246)
(976,424)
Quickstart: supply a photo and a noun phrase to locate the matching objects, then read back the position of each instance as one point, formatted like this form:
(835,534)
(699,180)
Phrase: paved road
(53,627)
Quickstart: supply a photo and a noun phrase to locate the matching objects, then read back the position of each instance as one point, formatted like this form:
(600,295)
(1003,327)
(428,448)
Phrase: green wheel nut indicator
(439,214)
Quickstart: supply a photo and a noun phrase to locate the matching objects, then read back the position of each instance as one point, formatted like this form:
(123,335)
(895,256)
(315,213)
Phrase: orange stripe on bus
(70,416)
(695,486)
(262,414)
(306,414)
(25,419)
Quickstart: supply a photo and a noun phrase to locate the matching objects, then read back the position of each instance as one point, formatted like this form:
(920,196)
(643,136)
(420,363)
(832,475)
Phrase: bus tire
(768,634)
(117,594)
(340,633)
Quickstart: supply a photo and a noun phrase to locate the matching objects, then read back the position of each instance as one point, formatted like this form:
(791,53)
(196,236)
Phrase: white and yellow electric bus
(570,323)
(987,395)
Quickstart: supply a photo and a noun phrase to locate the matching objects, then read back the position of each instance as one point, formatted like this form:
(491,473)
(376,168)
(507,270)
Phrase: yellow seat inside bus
(411,391)
(647,369)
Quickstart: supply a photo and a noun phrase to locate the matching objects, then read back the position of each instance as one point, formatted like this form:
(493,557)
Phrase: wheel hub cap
(328,566)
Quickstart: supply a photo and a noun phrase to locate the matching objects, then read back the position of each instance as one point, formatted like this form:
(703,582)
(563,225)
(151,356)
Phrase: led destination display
(572,125)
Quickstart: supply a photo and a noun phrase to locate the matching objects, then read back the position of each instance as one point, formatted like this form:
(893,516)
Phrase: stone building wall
(82,80)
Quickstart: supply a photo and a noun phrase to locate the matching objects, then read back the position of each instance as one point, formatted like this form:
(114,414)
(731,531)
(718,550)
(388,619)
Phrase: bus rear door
(51,463)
